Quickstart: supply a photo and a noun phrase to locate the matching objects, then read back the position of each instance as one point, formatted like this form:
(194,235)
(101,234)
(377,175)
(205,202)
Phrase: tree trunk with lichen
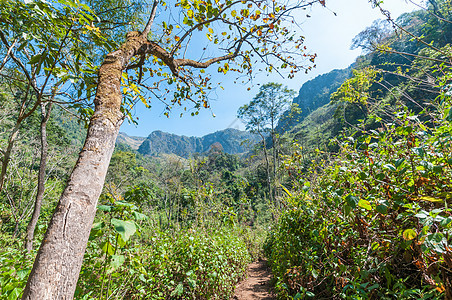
(57,265)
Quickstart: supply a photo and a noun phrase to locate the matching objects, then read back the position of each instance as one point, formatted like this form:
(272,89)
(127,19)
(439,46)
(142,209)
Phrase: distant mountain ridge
(233,141)
(313,95)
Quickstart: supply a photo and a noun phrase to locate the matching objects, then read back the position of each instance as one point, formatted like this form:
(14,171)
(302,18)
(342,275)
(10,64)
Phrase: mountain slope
(232,141)
(133,141)
(314,94)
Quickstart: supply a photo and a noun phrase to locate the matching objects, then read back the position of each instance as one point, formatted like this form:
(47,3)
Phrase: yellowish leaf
(430,199)
(409,234)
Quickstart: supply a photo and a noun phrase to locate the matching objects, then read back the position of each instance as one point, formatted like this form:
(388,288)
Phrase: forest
(343,188)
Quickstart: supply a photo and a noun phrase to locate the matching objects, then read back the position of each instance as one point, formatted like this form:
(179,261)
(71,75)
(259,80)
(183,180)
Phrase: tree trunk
(59,260)
(7,153)
(45,115)
(275,157)
(267,167)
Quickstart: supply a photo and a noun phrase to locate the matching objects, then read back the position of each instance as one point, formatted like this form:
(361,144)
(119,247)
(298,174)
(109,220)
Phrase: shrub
(374,223)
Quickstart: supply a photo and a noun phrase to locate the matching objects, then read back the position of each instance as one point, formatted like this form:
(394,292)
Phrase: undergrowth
(183,264)
(374,223)
(128,257)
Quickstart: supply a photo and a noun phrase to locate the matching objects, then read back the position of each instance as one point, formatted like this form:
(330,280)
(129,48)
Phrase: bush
(187,264)
(374,223)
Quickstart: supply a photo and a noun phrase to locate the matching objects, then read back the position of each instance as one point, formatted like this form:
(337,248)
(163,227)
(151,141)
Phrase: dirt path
(257,285)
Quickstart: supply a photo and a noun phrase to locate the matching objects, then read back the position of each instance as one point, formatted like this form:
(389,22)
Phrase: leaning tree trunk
(59,259)
(45,115)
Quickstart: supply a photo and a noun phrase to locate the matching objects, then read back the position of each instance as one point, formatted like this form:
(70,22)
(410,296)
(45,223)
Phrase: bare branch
(7,55)
(413,55)
(147,29)
(18,61)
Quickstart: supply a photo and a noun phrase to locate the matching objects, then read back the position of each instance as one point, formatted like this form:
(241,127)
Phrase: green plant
(374,222)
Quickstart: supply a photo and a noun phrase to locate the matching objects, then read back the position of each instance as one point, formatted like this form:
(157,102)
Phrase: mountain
(232,141)
(133,141)
(314,94)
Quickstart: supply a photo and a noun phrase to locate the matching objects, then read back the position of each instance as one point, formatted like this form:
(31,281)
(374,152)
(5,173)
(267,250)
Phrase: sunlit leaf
(430,199)
(409,234)
(125,228)
(116,262)
(364,204)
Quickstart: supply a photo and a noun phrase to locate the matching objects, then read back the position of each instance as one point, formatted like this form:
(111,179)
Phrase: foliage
(184,264)
(356,89)
(369,39)
(14,268)
(267,107)
(375,222)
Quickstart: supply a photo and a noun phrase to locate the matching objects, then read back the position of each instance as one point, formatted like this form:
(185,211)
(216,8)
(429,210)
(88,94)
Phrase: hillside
(314,94)
(232,141)
(133,141)
(350,199)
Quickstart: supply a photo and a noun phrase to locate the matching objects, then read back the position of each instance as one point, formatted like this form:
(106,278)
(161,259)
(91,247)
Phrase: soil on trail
(257,284)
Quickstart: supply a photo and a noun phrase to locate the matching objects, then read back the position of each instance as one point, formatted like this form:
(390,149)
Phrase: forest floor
(257,284)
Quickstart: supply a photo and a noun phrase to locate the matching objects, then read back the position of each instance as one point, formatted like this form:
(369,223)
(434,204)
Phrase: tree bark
(59,259)
(45,115)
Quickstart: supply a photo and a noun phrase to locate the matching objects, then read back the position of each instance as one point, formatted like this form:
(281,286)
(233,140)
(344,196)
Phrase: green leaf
(446,222)
(389,167)
(139,216)
(14,295)
(98,226)
(116,262)
(364,204)
(23,273)
(347,209)
(107,248)
(382,209)
(352,200)
(449,115)
(418,151)
(104,208)
(34,59)
(431,199)
(375,246)
(399,162)
(178,291)
(409,234)
(125,228)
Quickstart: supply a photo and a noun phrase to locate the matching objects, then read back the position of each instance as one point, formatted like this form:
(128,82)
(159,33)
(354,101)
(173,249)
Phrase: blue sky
(326,34)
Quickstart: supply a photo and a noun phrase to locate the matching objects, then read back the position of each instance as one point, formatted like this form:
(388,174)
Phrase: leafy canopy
(239,36)
(266,108)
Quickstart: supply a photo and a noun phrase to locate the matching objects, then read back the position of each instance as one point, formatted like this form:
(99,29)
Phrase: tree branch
(147,29)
